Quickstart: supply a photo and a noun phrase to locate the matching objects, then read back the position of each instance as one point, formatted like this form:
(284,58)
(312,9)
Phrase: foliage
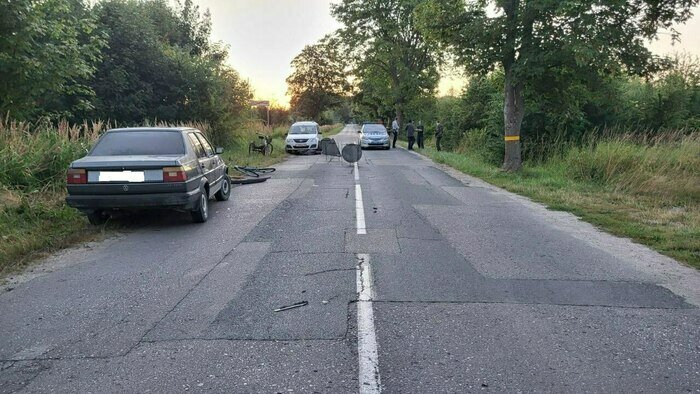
(617,105)
(395,67)
(160,65)
(318,81)
(48,48)
(125,61)
(476,116)
(549,48)
(671,100)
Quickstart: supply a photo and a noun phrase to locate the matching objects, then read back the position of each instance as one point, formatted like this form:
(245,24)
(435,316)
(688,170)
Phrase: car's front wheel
(201,213)
(225,191)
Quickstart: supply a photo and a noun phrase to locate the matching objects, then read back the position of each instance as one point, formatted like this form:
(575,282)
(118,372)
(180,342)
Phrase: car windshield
(374,129)
(302,129)
(124,143)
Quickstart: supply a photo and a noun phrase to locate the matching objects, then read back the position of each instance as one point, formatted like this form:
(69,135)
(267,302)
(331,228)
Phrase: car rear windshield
(123,143)
(302,129)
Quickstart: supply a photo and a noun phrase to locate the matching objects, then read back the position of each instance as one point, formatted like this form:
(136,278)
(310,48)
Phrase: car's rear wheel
(97,218)
(201,214)
(225,191)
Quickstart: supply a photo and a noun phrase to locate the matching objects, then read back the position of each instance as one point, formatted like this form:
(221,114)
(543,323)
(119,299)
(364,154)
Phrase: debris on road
(295,305)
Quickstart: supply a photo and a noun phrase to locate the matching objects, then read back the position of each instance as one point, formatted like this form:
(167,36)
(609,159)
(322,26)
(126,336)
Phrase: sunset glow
(265,35)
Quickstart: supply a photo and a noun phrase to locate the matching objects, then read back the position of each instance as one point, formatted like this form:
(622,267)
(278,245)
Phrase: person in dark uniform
(420,135)
(410,134)
(439,129)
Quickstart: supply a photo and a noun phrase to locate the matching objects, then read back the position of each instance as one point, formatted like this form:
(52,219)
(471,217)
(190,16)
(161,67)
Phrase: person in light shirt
(395,130)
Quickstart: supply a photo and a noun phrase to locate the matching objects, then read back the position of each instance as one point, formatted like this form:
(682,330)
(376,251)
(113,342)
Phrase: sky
(265,35)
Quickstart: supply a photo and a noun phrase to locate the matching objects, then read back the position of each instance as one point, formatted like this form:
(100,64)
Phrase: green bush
(484,143)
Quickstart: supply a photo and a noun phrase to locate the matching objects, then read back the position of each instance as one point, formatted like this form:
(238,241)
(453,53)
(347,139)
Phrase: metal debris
(295,305)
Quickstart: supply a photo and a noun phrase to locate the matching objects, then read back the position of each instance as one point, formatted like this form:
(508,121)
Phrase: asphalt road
(413,279)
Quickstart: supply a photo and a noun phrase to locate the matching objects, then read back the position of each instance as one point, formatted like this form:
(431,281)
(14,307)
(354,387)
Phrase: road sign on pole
(262,103)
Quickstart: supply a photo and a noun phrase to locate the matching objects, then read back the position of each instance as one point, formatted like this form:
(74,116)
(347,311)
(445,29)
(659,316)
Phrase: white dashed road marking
(360,211)
(367,353)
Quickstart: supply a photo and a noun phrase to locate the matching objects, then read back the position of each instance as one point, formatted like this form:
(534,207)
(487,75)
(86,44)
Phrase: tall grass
(35,156)
(665,166)
(662,164)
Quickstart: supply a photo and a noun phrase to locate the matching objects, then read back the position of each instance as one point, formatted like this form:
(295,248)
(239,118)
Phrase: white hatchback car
(303,137)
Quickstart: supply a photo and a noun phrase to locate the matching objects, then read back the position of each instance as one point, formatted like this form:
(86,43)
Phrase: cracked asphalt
(475,289)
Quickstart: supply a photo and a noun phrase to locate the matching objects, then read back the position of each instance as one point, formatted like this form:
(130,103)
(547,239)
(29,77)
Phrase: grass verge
(646,191)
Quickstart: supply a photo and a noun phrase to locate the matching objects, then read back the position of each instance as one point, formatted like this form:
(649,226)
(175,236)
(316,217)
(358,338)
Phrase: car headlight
(312,140)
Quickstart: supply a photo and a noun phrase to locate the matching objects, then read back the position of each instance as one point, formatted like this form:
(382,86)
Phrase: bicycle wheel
(259,170)
(246,171)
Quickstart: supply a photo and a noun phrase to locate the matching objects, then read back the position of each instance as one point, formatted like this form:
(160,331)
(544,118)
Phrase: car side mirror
(219,150)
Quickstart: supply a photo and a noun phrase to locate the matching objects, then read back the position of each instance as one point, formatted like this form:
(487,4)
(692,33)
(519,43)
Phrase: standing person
(395,130)
(438,135)
(411,134)
(421,135)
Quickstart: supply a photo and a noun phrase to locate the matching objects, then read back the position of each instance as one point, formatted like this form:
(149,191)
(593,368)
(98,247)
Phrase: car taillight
(174,174)
(76,176)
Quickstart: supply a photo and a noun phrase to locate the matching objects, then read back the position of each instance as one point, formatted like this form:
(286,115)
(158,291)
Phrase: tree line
(538,70)
(125,61)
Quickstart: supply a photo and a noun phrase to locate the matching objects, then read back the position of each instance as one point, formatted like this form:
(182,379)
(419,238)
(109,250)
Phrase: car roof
(164,129)
(305,123)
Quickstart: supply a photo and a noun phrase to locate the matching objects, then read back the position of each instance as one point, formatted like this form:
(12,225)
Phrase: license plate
(121,176)
(301,146)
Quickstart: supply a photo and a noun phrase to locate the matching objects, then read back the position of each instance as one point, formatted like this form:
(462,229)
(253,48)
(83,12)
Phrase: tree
(396,65)
(160,65)
(318,81)
(549,42)
(47,50)
(373,98)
